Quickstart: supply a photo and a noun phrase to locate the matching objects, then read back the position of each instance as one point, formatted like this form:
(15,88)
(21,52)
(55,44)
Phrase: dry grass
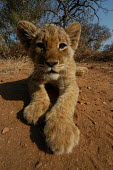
(15,65)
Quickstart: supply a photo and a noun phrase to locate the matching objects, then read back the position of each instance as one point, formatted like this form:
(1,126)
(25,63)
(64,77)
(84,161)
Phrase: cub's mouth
(52,71)
(52,74)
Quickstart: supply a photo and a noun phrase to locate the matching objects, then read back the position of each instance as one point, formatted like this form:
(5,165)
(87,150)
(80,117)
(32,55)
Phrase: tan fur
(52,48)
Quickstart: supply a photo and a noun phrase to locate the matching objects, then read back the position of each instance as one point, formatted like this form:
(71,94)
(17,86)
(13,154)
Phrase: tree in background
(108,51)
(108,47)
(13,11)
(60,12)
(94,35)
(91,42)
(65,11)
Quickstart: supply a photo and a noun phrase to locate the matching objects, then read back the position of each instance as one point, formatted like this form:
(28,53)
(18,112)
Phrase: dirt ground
(22,147)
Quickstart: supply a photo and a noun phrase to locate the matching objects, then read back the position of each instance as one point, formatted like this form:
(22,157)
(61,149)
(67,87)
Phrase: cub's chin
(51,76)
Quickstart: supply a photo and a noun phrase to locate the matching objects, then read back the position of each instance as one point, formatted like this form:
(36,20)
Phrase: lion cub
(52,49)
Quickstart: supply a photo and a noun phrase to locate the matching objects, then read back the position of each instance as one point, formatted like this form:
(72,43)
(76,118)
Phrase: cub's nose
(51,64)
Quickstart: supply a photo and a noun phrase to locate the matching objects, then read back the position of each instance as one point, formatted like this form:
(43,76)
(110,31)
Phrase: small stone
(89,87)
(38,165)
(5,130)
(79,102)
(104,102)
(86,103)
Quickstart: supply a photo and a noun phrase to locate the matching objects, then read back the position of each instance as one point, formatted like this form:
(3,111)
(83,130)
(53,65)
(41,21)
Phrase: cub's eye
(40,45)
(62,45)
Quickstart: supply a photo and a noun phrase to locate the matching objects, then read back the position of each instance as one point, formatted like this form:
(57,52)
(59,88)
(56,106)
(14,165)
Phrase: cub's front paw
(61,135)
(31,114)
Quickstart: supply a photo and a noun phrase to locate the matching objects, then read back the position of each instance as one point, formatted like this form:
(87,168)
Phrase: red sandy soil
(22,147)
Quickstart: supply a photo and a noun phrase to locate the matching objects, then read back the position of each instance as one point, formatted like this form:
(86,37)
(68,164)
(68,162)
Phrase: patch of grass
(15,65)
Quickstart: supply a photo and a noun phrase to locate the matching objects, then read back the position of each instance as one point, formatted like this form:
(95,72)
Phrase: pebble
(38,165)
(82,98)
(5,130)
(89,87)
(104,102)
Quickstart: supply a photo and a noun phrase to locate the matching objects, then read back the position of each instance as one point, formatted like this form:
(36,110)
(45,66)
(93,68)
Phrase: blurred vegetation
(59,12)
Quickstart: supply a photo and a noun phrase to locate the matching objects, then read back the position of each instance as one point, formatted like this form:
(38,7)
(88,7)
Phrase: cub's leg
(39,102)
(60,131)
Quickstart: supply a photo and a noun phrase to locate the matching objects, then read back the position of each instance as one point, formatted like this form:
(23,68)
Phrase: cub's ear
(74,31)
(26,31)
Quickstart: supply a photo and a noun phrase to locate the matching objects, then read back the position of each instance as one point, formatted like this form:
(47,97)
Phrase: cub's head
(50,47)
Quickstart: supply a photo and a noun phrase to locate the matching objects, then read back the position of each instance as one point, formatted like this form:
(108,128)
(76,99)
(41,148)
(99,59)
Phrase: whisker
(40,64)
(40,68)
(59,66)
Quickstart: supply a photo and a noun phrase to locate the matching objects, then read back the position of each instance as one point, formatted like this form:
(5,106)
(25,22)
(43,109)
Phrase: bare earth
(22,147)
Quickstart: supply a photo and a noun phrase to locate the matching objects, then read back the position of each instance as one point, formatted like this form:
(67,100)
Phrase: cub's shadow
(18,91)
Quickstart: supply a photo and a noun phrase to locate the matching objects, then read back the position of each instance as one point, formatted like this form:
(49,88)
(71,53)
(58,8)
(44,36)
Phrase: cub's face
(50,47)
